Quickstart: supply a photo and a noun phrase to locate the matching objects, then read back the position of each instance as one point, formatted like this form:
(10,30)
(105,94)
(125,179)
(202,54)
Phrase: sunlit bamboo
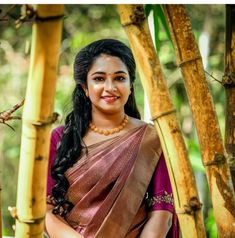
(229,84)
(163,113)
(37,120)
(211,144)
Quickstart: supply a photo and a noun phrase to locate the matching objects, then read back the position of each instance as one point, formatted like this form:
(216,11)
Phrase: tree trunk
(186,200)
(37,120)
(229,84)
(212,149)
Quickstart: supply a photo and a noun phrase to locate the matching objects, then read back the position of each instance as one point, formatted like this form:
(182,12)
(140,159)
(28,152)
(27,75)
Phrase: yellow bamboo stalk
(212,149)
(182,178)
(37,120)
(229,85)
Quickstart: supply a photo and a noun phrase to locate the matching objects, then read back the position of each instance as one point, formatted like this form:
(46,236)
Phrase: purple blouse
(159,191)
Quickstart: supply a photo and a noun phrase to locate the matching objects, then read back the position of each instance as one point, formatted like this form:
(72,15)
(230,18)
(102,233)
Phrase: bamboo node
(193,205)
(219,159)
(156,117)
(50,120)
(51,18)
(231,163)
(188,60)
(228,80)
(30,15)
(137,18)
(30,221)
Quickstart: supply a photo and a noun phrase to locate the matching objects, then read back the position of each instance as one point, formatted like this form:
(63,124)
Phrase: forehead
(107,63)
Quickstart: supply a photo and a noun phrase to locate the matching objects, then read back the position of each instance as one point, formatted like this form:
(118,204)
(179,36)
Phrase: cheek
(125,88)
(94,91)
(94,87)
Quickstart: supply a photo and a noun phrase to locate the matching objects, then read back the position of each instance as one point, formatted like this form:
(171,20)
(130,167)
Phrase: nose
(109,85)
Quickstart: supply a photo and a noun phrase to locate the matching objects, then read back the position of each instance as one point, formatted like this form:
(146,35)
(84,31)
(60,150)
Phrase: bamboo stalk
(212,149)
(229,84)
(37,120)
(183,183)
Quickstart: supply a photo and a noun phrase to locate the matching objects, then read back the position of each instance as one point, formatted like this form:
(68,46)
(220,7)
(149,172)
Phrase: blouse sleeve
(160,195)
(55,138)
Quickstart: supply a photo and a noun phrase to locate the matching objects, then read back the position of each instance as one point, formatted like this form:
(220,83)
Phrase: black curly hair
(77,121)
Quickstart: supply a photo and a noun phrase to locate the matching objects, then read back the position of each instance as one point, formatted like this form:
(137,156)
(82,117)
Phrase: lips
(110,99)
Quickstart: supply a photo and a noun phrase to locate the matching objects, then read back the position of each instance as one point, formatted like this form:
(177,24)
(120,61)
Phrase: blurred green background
(82,25)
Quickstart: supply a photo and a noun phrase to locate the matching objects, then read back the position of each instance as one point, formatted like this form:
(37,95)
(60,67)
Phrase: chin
(108,109)
(111,110)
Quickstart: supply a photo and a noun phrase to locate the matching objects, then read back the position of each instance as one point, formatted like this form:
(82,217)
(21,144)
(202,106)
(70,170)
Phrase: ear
(84,87)
(131,89)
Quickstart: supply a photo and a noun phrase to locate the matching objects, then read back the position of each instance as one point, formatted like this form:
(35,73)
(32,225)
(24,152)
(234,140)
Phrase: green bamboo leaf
(147,9)
(162,19)
(159,18)
(156,29)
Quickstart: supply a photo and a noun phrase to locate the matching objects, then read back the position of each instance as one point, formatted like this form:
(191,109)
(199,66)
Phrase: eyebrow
(118,72)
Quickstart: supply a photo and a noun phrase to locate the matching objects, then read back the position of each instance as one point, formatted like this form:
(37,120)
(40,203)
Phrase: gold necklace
(110,131)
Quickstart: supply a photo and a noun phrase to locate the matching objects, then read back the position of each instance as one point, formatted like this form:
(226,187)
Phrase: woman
(108,178)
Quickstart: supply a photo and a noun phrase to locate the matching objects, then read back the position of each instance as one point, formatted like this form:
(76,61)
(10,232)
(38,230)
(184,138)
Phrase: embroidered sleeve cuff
(161,201)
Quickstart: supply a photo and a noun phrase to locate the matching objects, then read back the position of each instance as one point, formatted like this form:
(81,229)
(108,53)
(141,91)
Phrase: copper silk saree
(108,184)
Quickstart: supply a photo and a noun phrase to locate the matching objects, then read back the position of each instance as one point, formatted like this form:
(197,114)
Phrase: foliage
(82,25)
(158,17)
(210,224)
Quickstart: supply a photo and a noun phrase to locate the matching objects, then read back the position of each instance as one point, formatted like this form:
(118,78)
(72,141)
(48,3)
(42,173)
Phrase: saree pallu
(108,185)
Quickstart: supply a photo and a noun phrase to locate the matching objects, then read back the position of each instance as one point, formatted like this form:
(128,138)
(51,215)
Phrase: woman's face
(108,84)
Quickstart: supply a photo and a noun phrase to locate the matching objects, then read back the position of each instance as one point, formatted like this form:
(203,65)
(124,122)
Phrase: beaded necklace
(107,132)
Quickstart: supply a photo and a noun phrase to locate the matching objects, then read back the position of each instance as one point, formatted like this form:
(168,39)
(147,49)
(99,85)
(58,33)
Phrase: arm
(56,227)
(158,224)
(162,207)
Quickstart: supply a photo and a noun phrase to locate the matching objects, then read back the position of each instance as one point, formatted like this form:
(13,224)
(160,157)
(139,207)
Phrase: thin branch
(3,18)
(7,115)
(213,77)
(8,126)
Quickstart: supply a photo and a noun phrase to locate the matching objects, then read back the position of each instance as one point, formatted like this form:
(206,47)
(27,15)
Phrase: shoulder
(56,133)
(151,132)
(58,130)
(134,122)
(151,139)
(139,123)
(151,128)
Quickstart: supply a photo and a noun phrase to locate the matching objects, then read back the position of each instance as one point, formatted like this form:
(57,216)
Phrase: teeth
(111,97)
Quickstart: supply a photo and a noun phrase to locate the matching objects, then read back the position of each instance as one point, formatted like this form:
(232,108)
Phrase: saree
(108,184)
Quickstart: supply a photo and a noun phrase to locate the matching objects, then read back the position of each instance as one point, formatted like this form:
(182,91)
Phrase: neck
(107,121)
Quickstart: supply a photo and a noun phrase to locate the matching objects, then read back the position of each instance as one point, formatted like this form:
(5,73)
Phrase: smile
(110,99)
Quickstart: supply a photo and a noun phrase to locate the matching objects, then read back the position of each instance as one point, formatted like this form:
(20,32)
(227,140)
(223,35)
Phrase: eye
(120,78)
(98,79)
